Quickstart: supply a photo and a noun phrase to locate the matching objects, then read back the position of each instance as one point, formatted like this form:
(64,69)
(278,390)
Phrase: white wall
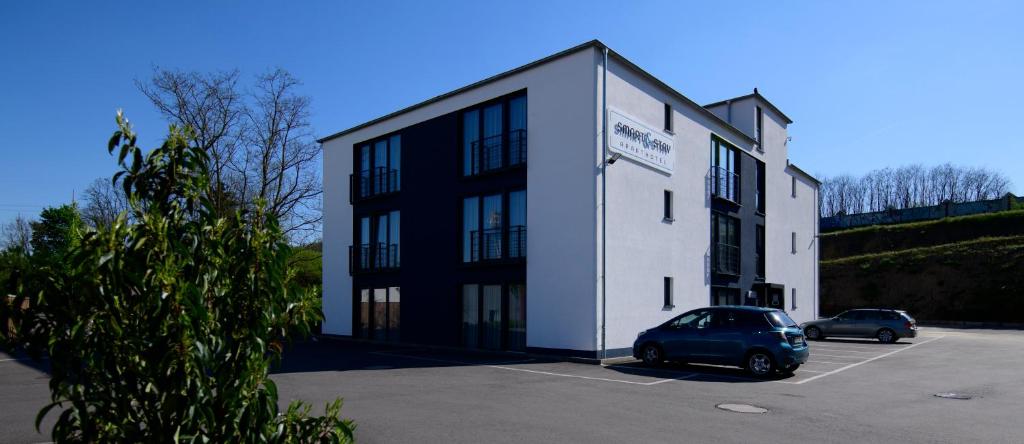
(642,249)
(560,200)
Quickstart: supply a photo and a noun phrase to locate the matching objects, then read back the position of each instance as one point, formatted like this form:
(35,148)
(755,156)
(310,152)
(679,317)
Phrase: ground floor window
(494,316)
(380,314)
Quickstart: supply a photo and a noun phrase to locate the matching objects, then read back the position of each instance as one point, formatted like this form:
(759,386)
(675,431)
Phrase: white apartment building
(562,207)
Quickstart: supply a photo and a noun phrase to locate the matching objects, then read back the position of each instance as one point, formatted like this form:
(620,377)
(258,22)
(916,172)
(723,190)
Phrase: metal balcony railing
(373,257)
(725,184)
(374,182)
(517,241)
(490,244)
(726,258)
(488,154)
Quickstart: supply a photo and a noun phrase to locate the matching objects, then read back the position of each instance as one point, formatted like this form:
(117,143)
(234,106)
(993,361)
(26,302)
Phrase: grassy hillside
(967,268)
(883,238)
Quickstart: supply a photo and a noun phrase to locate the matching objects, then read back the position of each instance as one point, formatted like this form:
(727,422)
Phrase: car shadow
(859,341)
(693,372)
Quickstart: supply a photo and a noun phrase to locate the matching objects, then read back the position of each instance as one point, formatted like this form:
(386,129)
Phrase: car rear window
(780,319)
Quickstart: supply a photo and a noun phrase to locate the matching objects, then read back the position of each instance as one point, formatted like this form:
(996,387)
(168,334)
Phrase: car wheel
(886,336)
(814,333)
(760,364)
(651,355)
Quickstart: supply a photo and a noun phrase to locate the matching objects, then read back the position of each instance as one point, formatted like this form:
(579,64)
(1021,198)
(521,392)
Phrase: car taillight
(909,324)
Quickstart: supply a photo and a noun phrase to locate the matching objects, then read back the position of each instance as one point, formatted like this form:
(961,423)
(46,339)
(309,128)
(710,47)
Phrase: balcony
(375,182)
(488,154)
(725,184)
(373,257)
(492,245)
(725,259)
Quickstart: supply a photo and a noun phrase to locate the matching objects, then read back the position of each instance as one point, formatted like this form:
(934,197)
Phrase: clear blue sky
(869,84)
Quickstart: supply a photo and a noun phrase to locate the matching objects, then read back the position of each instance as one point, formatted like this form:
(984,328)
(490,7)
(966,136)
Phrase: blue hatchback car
(761,340)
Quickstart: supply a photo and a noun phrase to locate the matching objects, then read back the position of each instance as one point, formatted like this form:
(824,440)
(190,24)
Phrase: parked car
(761,340)
(886,325)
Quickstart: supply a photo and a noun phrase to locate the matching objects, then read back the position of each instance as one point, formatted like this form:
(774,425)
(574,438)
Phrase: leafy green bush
(163,328)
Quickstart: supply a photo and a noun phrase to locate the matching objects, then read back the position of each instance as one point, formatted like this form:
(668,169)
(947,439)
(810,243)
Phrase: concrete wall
(560,203)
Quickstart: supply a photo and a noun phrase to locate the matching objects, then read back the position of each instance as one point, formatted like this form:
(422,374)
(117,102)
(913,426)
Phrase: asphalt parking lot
(849,391)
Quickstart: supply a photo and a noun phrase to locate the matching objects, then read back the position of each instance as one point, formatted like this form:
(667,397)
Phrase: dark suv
(761,340)
(886,325)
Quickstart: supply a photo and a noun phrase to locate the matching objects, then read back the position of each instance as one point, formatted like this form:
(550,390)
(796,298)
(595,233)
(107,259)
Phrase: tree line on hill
(909,186)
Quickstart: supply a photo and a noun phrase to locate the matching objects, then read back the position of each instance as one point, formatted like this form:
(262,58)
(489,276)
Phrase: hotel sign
(640,142)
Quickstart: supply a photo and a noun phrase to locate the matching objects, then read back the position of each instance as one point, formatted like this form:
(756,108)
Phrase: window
(517,224)
(379,243)
(668,118)
(494,316)
(759,251)
(380,314)
(494,136)
(691,320)
(792,298)
(380,166)
(793,185)
(725,170)
(725,244)
(793,238)
(488,232)
(759,196)
(759,129)
(668,206)
(668,292)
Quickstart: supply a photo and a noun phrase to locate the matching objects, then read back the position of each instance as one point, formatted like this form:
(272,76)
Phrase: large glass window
(725,170)
(380,313)
(493,221)
(517,317)
(470,141)
(380,164)
(379,240)
(760,194)
(470,229)
(470,316)
(490,231)
(517,224)
(494,136)
(725,243)
(759,249)
(517,130)
(491,322)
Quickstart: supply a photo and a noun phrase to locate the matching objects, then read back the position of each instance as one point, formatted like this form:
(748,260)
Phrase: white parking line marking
(827,362)
(809,371)
(539,372)
(865,361)
(843,350)
(840,356)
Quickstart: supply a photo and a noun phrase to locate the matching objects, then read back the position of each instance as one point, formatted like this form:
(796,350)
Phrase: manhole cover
(742,408)
(961,396)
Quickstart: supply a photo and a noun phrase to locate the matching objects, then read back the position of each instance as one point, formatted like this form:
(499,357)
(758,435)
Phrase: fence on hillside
(945,209)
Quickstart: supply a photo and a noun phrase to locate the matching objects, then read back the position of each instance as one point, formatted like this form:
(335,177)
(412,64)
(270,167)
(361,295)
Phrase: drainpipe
(604,201)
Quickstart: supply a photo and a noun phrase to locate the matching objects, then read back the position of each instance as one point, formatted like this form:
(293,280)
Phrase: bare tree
(103,202)
(260,142)
(909,187)
(211,106)
(16,235)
